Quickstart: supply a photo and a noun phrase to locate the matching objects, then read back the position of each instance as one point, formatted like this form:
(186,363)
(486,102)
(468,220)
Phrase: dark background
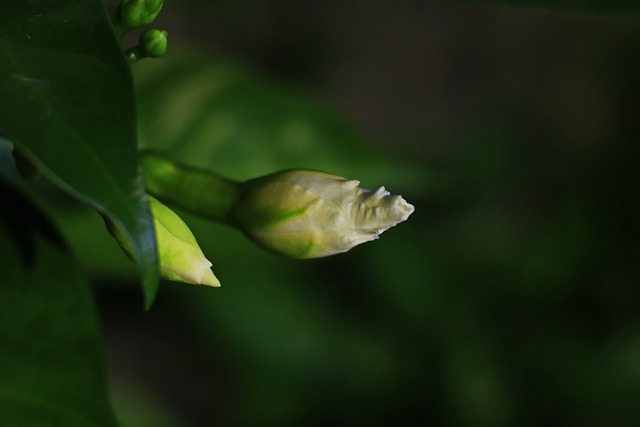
(508,298)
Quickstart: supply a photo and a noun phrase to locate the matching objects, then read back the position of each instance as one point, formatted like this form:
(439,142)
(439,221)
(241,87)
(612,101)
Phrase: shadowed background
(508,298)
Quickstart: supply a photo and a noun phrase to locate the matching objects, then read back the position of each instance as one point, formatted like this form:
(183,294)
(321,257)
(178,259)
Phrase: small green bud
(307,214)
(153,43)
(181,259)
(138,13)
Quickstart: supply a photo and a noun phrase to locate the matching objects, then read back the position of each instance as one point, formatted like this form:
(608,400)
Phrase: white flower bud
(308,214)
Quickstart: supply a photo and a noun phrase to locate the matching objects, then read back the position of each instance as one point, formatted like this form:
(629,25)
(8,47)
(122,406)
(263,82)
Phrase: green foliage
(52,367)
(68,106)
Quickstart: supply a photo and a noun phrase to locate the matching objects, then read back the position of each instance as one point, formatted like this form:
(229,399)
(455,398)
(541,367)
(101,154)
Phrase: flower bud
(138,13)
(153,43)
(307,214)
(181,259)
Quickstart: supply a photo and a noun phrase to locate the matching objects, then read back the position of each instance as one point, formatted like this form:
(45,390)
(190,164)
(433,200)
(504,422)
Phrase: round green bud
(138,13)
(153,43)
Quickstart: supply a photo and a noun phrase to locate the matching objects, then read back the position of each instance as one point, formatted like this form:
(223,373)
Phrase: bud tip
(208,278)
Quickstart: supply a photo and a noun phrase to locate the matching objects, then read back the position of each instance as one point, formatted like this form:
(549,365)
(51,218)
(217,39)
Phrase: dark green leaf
(68,105)
(52,367)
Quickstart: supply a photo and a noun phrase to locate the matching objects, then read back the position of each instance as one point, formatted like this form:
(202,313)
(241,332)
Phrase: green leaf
(577,7)
(52,366)
(68,106)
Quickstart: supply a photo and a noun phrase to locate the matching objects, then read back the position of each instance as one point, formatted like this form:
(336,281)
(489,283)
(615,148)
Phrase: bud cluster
(132,14)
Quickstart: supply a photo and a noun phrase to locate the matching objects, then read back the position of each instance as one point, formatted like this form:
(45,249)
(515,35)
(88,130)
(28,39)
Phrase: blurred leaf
(52,367)
(68,105)
(581,7)
(292,347)
(134,408)
(214,113)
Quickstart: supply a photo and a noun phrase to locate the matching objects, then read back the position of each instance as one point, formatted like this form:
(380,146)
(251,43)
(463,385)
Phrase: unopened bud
(153,43)
(307,214)
(180,257)
(138,13)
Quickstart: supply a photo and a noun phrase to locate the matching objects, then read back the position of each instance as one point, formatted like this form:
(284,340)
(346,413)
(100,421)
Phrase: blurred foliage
(574,7)
(508,298)
(52,365)
(217,114)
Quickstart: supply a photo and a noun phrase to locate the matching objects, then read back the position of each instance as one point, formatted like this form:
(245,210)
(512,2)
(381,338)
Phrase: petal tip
(209,279)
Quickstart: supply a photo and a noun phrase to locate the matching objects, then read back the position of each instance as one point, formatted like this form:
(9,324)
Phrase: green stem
(198,191)
(134,55)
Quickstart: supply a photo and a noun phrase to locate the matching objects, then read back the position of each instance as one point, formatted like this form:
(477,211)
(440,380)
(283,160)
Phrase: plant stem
(195,190)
